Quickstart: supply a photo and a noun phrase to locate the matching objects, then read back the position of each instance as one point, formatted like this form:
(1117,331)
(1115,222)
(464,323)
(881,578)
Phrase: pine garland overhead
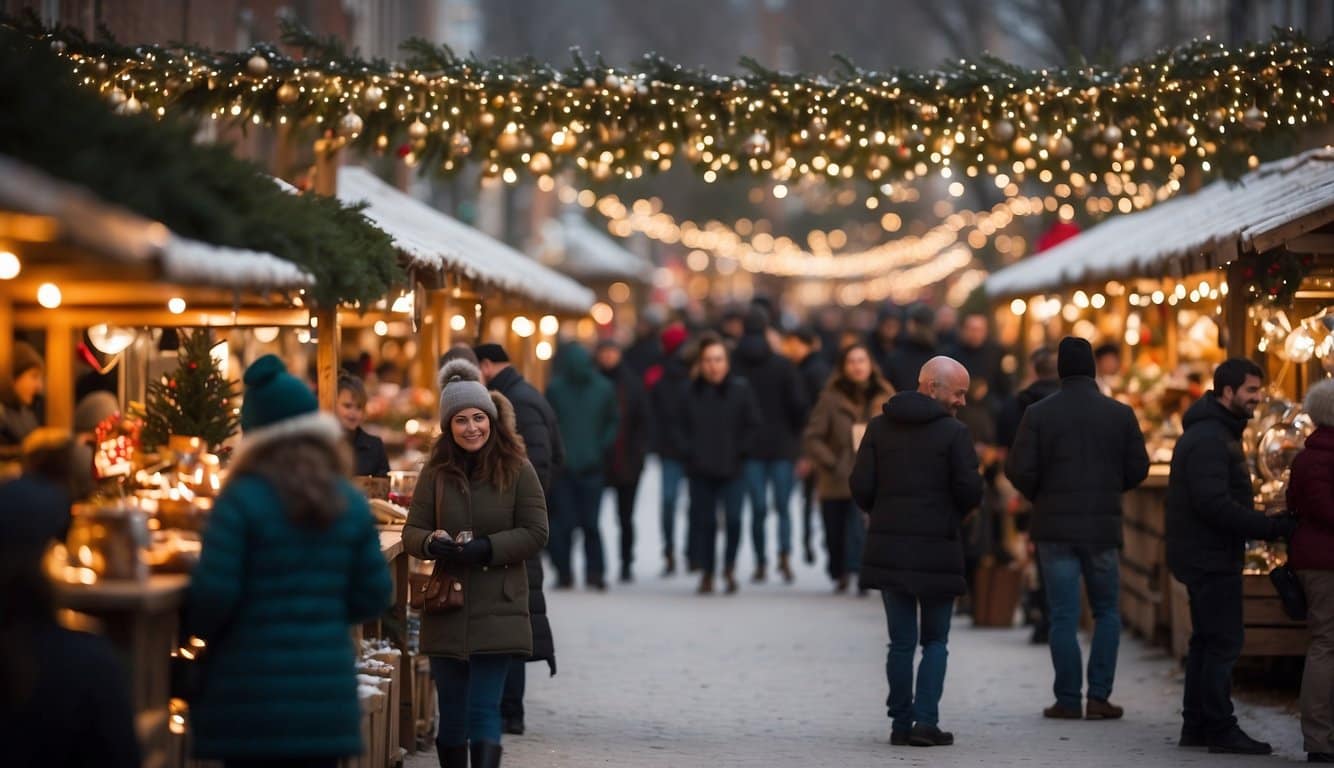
(1199,105)
(154,168)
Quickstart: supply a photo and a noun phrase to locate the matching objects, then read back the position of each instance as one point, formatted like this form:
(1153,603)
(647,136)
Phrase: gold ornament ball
(418,130)
(840,141)
(929,111)
(132,106)
(58,46)
(1022,145)
(372,96)
(350,125)
(102,68)
(590,83)
(1063,147)
(288,93)
(757,145)
(613,82)
(541,163)
(487,119)
(257,65)
(547,130)
(117,97)
(1112,134)
(1253,119)
(1002,131)
(818,125)
(460,144)
(508,142)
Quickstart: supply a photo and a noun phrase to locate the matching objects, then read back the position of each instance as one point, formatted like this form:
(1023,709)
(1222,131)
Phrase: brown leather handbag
(440,591)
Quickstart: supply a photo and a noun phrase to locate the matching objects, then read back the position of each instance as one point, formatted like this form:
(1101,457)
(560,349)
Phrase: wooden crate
(1269,632)
(1145,581)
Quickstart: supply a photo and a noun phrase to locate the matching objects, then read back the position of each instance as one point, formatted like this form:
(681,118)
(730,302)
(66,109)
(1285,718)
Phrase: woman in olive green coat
(477,481)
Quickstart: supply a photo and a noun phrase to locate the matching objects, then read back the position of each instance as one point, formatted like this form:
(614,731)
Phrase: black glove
(475,552)
(1282,527)
(441,549)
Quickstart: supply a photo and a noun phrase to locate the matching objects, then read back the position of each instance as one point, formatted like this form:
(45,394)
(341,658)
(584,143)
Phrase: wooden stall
(1235,269)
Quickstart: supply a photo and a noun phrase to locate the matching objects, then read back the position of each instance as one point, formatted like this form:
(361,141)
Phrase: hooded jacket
(1311,497)
(1210,505)
(781,397)
(625,459)
(917,473)
(585,406)
(1075,453)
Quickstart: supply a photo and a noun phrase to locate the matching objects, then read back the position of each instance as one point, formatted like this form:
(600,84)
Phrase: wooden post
(327,355)
(1171,328)
(326,165)
(1234,316)
(440,311)
(59,372)
(6,337)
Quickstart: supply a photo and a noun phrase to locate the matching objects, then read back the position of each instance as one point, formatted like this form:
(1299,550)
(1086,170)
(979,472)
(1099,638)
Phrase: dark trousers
(469,698)
(1215,645)
(912,621)
(844,536)
(706,494)
(809,501)
(625,514)
(673,472)
(576,500)
(511,701)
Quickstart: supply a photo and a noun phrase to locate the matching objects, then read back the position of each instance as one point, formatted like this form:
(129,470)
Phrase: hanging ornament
(288,93)
(132,106)
(350,125)
(613,82)
(460,144)
(541,163)
(58,46)
(257,65)
(819,125)
(1023,145)
(418,130)
(840,141)
(1063,147)
(1002,131)
(102,68)
(590,83)
(1253,118)
(1299,347)
(372,96)
(116,97)
(757,145)
(929,112)
(487,119)
(1112,134)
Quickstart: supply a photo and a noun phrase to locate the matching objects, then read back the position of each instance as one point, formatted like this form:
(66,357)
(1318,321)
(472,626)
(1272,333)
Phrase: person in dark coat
(980,355)
(1210,516)
(917,346)
(290,551)
(916,471)
(625,459)
(884,338)
(803,349)
(18,399)
(536,425)
(64,695)
(1311,554)
(718,428)
(368,454)
(647,350)
(771,459)
(585,406)
(1075,453)
(669,390)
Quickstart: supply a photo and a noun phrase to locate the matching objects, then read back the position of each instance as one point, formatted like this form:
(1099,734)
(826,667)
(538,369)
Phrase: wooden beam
(6,336)
(1300,226)
(1311,243)
(83,317)
(1234,313)
(59,372)
(327,355)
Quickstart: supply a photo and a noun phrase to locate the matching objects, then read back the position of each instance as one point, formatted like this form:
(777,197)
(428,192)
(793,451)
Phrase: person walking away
(720,422)
(290,551)
(1311,555)
(1075,453)
(18,399)
(64,695)
(803,349)
(585,406)
(1046,381)
(668,394)
(1210,516)
(536,424)
(771,459)
(368,454)
(856,394)
(916,472)
(917,346)
(479,508)
(625,460)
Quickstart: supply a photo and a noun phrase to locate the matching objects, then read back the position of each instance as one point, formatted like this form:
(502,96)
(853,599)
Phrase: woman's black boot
(485,755)
(452,757)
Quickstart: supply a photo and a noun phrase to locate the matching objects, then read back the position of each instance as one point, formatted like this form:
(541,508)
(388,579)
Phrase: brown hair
(305,470)
(349,383)
(876,383)
(497,463)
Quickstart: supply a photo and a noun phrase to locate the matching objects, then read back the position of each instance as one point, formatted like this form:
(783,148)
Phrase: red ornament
(194,366)
(403,150)
(1248,273)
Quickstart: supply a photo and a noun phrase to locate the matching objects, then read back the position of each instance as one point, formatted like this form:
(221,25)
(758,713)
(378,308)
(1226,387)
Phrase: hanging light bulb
(266,334)
(110,340)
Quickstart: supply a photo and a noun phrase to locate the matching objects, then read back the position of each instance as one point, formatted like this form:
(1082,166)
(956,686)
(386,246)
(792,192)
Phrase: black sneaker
(929,736)
(513,726)
(1236,742)
(1192,737)
(1320,757)
(899,738)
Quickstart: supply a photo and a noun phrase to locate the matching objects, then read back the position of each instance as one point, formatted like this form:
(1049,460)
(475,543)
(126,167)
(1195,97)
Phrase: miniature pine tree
(195,400)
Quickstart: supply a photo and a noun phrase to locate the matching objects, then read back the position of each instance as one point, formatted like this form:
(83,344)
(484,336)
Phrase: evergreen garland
(195,400)
(203,192)
(1275,276)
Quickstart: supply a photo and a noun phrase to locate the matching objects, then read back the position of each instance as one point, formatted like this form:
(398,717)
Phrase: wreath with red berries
(1275,276)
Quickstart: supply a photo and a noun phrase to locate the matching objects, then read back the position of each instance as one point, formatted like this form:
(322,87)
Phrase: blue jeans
(856,538)
(469,694)
(1062,565)
(673,472)
(759,476)
(901,610)
(576,500)
(706,493)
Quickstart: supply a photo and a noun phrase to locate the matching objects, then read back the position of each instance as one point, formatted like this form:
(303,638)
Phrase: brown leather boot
(729,576)
(785,568)
(760,575)
(1097,709)
(705,584)
(842,585)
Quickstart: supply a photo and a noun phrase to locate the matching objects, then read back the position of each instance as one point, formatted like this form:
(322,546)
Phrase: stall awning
(1191,233)
(575,247)
(39,208)
(431,239)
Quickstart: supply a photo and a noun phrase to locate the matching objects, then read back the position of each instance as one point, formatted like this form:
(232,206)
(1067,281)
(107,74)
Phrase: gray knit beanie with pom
(461,387)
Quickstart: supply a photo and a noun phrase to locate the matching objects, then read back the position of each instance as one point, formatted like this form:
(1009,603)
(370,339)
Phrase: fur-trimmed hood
(319,424)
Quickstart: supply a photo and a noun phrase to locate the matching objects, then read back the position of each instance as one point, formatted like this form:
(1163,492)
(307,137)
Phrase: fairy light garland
(1199,105)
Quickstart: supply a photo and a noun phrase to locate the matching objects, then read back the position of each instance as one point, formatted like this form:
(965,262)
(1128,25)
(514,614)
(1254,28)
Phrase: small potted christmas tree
(194,401)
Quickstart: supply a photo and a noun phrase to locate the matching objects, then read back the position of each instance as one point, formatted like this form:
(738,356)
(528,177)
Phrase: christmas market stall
(1242,268)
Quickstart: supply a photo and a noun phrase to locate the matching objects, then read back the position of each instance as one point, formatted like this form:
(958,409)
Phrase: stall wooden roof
(434,240)
(1189,234)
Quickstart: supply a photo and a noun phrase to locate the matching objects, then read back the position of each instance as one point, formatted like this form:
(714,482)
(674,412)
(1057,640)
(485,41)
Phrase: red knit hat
(673,336)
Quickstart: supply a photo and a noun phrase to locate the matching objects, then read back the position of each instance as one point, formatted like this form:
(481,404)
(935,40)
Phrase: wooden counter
(1146,589)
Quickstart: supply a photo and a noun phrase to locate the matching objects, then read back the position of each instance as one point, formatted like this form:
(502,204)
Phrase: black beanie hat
(491,352)
(1075,358)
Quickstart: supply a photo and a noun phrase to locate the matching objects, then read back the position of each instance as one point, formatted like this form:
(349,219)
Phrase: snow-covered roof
(432,239)
(83,219)
(1190,233)
(573,246)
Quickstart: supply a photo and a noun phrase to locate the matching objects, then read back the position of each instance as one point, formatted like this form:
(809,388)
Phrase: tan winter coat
(827,441)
